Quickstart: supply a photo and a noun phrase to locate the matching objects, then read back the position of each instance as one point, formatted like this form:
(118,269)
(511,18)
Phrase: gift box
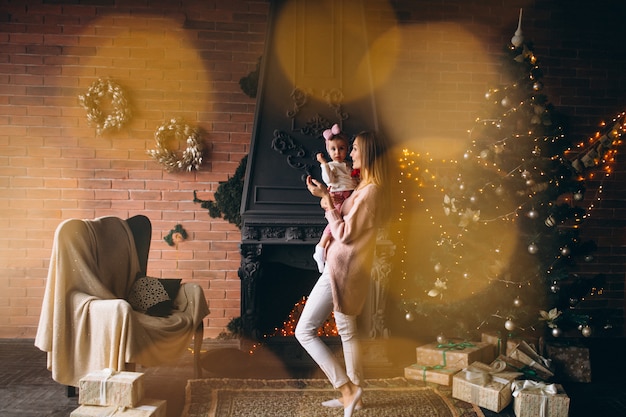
(107,387)
(147,408)
(528,356)
(497,339)
(571,362)
(484,385)
(455,354)
(513,342)
(533,399)
(436,374)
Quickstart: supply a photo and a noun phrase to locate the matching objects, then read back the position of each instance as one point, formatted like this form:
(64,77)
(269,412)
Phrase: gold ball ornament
(586,331)
(409,316)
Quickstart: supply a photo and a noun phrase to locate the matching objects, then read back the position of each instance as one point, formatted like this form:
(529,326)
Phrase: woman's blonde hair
(374,150)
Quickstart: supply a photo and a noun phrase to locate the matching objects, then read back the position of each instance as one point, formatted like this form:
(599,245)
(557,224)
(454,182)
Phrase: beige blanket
(86,324)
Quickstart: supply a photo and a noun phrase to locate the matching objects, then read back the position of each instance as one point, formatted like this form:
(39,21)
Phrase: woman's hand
(320,190)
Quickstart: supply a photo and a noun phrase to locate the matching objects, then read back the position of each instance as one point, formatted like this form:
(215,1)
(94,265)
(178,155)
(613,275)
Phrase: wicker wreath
(92,101)
(174,161)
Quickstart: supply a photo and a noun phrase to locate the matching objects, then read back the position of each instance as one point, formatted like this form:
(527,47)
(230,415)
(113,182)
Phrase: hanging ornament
(532,214)
(578,195)
(556,332)
(517,302)
(533,248)
(565,251)
(536,151)
(525,174)
(441,339)
(506,102)
(537,85)
(554,288)
(517,38)
(499,190)
(509,325)
(588,258)
(586,331)
(409,316)
(550,221)
(438,267)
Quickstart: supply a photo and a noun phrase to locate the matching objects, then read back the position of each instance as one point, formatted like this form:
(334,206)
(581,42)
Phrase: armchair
(87,324)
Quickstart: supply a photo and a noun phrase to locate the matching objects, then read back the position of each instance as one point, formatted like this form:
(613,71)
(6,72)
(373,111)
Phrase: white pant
(317,309)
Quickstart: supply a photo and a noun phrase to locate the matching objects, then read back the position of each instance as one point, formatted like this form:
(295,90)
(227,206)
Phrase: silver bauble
(441,339)
(586,331)
(409,316)
(533,248)
(517,302)
(509,325)
(556,332)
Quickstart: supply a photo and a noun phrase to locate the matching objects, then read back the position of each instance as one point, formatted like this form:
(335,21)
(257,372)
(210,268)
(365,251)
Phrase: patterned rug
(395,397)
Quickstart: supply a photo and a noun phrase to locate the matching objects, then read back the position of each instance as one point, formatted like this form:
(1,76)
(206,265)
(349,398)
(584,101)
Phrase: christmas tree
(509,232)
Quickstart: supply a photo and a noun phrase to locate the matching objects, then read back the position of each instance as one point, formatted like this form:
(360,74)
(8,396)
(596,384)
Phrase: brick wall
(173,60)
(185,59)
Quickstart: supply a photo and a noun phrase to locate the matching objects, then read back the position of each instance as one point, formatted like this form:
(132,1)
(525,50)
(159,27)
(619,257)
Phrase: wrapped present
(107,387)
(513,342)
(455,354)
(497,339)
(437,374)
(528,356)
(484,385)
(147,408)
(514,365)
(571,362)
(537,399)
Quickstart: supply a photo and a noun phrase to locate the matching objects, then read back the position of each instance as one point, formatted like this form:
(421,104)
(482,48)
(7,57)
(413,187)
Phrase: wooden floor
(27,390)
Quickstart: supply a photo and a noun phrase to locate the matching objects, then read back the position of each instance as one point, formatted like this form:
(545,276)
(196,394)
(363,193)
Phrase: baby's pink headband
(329,133)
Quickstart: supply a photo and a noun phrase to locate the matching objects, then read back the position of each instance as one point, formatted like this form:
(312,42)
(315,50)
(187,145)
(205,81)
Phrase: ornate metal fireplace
(312,76)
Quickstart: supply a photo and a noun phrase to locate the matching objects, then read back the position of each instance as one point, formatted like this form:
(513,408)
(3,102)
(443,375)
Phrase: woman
(342,288)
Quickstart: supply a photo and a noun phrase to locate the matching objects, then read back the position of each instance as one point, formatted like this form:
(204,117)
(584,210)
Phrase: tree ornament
(441,339)
(532,214)
(588,258)
(517,302)
(565,251)
(438,268)
(554,288)
(550,221)
(517,38)
(537,86)
(578,195)
(556,332)
(533,248)
(509,325)
(499,190)
(586,331)
(187,160)
(109,93)
(506,102)
(409,316)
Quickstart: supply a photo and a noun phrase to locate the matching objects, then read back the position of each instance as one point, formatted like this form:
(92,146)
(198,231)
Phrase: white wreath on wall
(104,92)
(175,161)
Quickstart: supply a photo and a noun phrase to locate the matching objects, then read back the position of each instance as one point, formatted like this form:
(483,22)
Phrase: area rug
(395,397)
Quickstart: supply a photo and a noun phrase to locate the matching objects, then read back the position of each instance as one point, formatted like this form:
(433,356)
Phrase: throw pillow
(154,296)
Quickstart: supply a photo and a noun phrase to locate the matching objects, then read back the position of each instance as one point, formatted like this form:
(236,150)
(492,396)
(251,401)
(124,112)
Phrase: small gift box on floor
(147,408)
(497,339)
(437,374)
(571,362)
(484,385)
(537,399)
(455,354)
(528,356)
(108,387)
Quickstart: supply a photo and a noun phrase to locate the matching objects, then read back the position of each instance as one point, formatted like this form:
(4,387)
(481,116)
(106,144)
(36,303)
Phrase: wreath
(104,91)
(188,159)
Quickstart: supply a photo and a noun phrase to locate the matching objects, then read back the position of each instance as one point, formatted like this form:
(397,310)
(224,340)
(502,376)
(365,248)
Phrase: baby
(338,176)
